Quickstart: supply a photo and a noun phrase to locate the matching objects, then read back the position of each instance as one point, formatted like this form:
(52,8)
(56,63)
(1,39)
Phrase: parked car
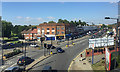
(24,60)
(80,36)
(11,44)
(60,50)
(53,47)
(111,33)
(13,69)
(47,68)
(34,45)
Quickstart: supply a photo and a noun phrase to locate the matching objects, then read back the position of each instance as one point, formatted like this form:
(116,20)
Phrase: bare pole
(2,42)
(25,56)
(116,44)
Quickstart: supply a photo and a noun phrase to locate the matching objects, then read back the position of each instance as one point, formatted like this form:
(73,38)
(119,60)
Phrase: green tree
(44,22)
(51,22)
(60,21)
(65,21)
(71,22)
(6,29)
(79,22)
(87,24)
(103,26)
(83,24)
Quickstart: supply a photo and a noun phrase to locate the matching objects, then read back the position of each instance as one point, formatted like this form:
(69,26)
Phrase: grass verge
(99,67)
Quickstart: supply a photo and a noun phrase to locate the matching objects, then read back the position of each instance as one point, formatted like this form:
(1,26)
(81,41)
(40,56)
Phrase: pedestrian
(51,52)
(81,57)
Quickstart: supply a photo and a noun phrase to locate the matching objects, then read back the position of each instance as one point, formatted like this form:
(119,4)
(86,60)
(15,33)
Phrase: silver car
(13,69)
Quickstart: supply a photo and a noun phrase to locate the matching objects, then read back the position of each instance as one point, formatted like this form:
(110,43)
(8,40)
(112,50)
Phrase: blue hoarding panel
(49,38)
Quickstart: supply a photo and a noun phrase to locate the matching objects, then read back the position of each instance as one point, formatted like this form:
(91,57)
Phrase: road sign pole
(25,56)
(92,56)
(2,56)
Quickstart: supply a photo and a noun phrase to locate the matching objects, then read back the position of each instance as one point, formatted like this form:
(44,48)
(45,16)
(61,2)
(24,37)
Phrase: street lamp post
(116,41)
(2,56)
(25,56)
(51,40)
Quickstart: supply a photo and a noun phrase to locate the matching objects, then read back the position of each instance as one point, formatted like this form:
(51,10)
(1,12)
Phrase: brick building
(54,30)
(30,34)
(50,31)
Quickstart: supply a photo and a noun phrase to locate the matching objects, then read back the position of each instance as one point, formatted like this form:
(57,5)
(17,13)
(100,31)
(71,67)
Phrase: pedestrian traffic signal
(45,45)
(49,46)
(71,38)
(41,39)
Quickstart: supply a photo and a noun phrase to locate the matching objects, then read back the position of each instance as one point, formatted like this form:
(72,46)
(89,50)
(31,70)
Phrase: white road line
(13,64)
(3,67)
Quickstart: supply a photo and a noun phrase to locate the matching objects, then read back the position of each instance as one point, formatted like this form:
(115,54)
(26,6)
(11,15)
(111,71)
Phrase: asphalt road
(62,61)
(33,53)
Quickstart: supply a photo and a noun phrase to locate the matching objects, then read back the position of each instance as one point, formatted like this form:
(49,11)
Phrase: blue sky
(34,13)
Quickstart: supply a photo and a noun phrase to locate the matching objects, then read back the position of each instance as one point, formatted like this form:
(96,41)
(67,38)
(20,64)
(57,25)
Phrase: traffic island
(80,63)
(36,62)
(99,67)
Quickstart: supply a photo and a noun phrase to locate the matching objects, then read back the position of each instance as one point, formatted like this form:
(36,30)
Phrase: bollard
(73,43)
(66,45)
(51,53)
(81,57)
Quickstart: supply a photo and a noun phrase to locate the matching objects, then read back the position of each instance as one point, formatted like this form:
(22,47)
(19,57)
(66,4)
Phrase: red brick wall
(98,53)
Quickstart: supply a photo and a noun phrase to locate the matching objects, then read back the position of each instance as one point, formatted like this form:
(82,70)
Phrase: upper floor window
(58,28)
(42,28)
(52,28)
(52,32)
(38,29)
(62,32)
(58,32)
(62,28)
(47,28)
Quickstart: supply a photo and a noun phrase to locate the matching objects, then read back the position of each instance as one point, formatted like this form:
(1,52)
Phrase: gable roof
(34,31)
(54,24)
(24,31)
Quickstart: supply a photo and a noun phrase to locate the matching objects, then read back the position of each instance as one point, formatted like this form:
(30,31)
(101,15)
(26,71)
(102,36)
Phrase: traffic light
(41,39)
(49,46)
(71,38)
(45,45)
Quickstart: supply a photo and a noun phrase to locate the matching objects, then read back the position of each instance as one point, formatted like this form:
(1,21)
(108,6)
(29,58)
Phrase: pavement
(80,64)
(96,58)
(83,64)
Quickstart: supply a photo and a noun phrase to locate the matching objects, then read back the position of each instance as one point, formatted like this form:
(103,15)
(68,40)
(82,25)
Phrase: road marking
(13,64)
(75,59)
(3,67)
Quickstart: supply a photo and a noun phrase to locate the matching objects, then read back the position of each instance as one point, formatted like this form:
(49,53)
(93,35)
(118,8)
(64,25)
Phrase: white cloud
(50,17)
(28,18)
(114,1)
(19,17)
(40,19)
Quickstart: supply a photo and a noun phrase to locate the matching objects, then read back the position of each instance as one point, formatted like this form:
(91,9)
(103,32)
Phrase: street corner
(37,61)
(80,63)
